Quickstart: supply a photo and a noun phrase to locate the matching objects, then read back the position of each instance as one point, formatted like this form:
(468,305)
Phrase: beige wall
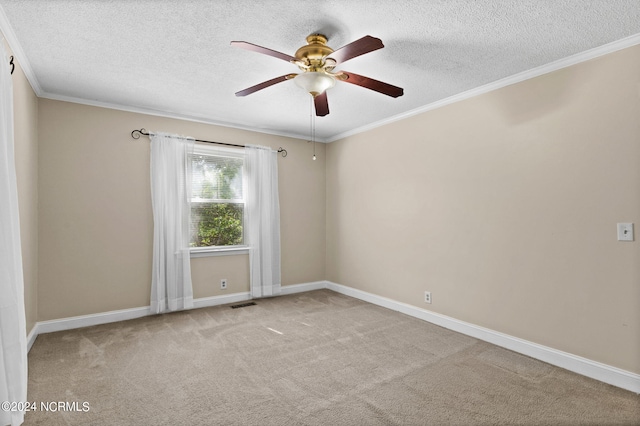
(95,211)
(504,206)
(25,110)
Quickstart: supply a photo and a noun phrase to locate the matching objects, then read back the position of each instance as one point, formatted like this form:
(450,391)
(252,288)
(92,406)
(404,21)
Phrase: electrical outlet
(223,283)
(427,297)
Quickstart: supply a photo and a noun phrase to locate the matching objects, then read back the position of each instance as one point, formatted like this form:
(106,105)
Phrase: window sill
(218,251)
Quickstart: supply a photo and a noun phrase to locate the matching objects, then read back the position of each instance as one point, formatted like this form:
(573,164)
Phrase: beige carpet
(317,358)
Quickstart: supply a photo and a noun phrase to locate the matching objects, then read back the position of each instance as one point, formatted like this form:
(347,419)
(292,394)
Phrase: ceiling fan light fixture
(317,61)
(315,82)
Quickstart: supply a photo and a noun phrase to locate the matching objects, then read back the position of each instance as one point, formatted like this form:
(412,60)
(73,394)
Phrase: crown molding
(165,114)
(18,53)
(504,82)
(14,44)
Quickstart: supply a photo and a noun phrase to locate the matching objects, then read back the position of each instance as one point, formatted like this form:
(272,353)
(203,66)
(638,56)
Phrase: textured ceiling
(174,57)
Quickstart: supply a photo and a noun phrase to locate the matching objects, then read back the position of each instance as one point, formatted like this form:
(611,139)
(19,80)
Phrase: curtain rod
(137,133)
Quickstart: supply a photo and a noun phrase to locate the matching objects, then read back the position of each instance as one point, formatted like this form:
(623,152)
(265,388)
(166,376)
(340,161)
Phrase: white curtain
(13,334)
(171,288)
(262,220)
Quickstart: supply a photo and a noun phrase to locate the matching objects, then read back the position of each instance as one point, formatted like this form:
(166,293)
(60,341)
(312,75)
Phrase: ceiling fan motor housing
(312,56)
(317,62)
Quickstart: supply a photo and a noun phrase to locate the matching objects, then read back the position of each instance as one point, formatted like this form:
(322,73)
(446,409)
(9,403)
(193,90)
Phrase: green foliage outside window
(214,220)
(220,224)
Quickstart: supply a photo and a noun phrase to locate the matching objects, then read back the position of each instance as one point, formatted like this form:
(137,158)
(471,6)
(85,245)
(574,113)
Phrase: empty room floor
(316,358)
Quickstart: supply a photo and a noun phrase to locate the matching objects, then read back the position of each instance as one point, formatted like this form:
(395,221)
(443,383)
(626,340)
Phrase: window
(217,198)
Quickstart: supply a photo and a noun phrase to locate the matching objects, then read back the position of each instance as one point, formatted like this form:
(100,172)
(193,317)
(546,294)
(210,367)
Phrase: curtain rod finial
(137,133)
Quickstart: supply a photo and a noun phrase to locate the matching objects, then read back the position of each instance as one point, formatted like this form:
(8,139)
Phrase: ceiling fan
(317,61)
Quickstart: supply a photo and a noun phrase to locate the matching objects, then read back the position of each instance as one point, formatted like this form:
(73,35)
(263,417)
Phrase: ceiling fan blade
(370,83)
(359,47)
(255,48)
(322,104)
(265,84)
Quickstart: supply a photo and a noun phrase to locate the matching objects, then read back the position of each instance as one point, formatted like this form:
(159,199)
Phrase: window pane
(216,178)
(216,224)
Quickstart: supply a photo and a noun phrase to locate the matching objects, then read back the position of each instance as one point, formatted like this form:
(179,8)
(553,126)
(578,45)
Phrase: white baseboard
(205,302)
(595,370)
(31,337)
(301,288)
(89,320)
(586,367)
(62,324)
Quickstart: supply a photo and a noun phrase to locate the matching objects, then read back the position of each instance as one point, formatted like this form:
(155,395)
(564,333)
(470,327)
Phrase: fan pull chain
(312,127)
